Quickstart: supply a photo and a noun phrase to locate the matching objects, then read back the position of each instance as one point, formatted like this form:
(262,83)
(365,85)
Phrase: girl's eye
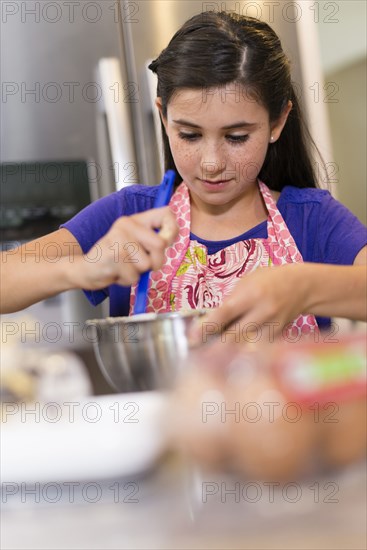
(238,139)
(232,139)
(188,137)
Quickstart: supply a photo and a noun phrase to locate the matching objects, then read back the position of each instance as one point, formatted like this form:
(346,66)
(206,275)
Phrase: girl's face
(219,139)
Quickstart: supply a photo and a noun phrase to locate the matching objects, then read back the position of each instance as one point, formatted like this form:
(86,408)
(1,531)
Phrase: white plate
(94,438)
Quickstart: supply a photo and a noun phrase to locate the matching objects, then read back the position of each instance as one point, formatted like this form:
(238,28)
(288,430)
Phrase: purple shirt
(324,230)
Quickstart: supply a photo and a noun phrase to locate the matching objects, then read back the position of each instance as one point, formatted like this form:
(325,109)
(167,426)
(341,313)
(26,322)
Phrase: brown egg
(196,424)
(344,432)
(273,438)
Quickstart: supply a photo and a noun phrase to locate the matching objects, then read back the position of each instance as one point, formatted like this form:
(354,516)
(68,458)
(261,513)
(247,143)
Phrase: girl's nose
(212,162)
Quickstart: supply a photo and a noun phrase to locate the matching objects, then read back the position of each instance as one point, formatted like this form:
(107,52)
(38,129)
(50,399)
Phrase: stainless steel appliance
(36,197)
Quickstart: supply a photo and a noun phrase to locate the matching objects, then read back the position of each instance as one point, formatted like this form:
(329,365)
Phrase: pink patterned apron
(192,279)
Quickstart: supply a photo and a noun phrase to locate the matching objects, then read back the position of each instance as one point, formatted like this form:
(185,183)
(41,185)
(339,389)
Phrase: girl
(245,197)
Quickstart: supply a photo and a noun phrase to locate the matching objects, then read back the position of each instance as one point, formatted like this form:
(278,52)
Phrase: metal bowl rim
(143,318)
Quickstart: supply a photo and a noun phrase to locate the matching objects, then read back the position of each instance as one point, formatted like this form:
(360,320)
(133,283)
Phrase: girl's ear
(277,127)
(158,103)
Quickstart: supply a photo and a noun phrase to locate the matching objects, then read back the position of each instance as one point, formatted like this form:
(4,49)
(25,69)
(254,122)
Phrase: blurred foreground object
(54,430)
(275,412)
(36,374)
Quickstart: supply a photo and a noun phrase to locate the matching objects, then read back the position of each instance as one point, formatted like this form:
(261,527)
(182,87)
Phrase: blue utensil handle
(141,295)
(162,199)
(165,189)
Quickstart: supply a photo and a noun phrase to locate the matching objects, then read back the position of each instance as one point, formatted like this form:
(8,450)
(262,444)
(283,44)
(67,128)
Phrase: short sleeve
(93,222)
(88,227)
(341,235)
(324,230)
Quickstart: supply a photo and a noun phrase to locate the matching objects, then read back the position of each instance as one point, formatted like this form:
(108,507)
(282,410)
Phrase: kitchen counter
(178,506)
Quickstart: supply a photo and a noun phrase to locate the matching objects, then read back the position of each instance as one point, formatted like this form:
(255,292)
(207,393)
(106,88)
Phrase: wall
(348,129)
(342,36)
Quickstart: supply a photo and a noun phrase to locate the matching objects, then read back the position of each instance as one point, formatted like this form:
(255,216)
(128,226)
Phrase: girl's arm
(335,291)
(55,263)
(278,295)
(37,270)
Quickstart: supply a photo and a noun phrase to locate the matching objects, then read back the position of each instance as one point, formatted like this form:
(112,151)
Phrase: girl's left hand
(272,295)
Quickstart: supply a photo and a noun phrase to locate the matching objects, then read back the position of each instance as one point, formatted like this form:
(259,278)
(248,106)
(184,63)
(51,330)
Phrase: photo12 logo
(268,411)
(67,92)
(70,412)
(291,12)
(28,11)
(268,331)
(71,492)
(68,332)
(55,174)
(269,491)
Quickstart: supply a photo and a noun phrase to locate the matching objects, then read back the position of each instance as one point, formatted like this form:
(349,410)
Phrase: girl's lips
(214,183)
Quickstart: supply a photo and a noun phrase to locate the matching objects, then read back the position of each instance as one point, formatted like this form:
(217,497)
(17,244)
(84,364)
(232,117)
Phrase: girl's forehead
(231,101)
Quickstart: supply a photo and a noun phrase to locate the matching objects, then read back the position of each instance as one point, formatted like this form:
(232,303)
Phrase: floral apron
(192,279)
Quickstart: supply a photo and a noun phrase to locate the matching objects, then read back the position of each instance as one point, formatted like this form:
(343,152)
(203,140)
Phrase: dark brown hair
(215,49)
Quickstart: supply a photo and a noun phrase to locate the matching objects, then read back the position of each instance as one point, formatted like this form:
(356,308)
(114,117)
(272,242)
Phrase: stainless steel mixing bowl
(142,352)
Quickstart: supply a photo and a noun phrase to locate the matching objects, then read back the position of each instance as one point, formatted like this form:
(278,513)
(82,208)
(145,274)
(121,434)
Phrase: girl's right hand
(131,247)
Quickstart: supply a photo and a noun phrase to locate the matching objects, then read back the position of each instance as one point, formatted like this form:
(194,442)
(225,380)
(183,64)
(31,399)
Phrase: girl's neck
(214,223)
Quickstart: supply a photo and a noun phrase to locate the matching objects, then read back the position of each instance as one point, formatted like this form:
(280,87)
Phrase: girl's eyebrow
(241,124)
